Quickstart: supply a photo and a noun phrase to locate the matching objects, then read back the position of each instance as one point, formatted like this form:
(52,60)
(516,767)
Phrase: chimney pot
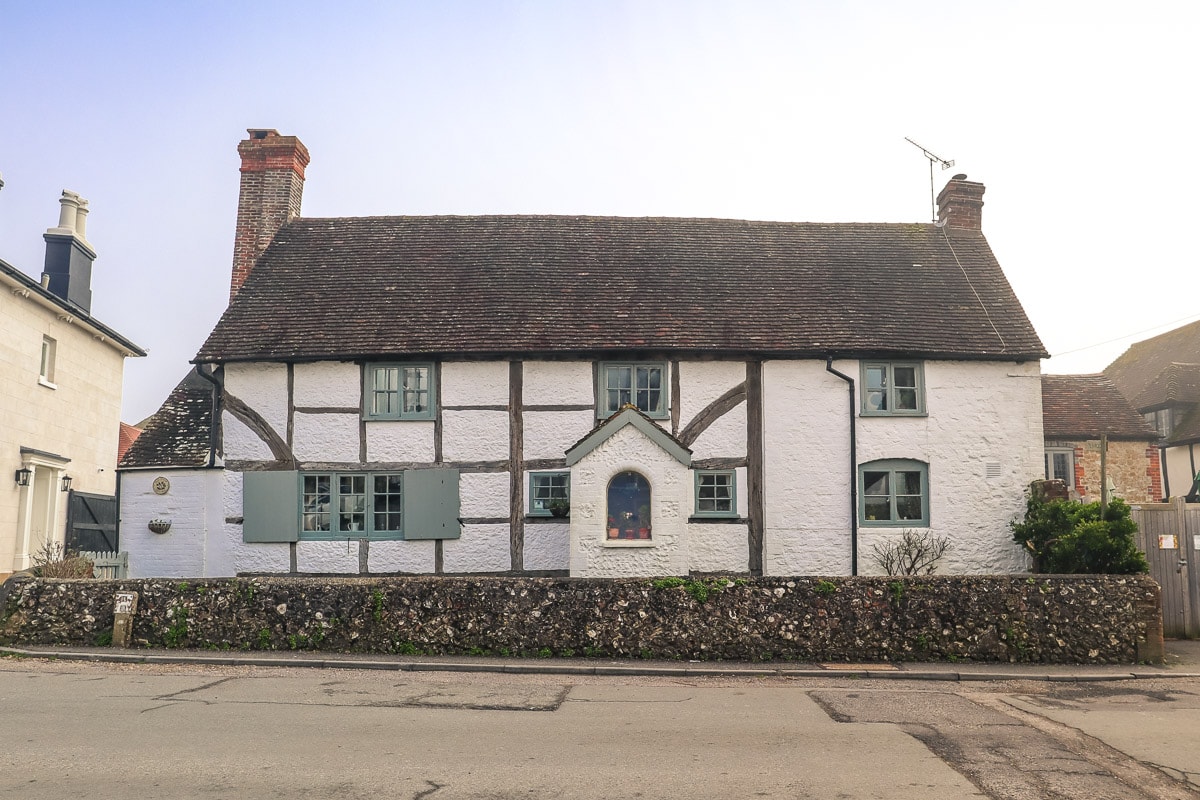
(69,257)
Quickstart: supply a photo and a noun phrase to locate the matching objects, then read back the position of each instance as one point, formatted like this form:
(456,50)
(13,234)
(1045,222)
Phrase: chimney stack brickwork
(960,204)
(271,189)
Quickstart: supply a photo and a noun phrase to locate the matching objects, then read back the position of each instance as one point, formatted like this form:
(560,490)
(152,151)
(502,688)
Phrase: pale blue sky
(1076,115)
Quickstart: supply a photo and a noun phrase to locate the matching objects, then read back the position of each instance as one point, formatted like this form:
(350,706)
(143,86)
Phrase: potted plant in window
(559,507)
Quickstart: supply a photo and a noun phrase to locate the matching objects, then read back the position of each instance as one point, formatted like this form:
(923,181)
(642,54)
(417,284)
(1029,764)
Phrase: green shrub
(1066,537)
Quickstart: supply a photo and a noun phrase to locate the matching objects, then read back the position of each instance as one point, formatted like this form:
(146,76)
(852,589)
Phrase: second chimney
(960,204)
(271,188)
(69,256)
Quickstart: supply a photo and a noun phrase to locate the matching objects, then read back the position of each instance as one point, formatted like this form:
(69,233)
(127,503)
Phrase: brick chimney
(69,256)
(960,204)
(272,183)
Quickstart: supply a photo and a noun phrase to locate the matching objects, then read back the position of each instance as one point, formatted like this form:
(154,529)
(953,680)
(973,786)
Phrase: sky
(1077,116)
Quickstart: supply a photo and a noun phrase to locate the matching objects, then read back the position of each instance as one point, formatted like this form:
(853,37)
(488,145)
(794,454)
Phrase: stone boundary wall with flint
(1092,619)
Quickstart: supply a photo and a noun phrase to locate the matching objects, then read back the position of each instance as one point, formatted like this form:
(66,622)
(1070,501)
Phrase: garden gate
(1168,534)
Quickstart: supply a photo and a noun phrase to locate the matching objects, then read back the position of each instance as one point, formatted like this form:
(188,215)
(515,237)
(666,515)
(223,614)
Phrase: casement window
(1060,465)
(716,493)
(549,491)
(398,391)
(1163,421)
(294,506)
(893,388)
(49,352)
(643,385)
(629,507)
(894,493)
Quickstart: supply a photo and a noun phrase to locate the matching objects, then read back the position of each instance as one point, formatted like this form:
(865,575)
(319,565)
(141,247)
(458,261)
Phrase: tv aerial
(932,158)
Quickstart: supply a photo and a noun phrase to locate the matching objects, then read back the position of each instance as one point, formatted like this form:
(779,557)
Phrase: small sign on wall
(1167,542)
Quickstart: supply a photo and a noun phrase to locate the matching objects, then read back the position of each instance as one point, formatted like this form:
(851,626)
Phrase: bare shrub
(54,560)
(912,554)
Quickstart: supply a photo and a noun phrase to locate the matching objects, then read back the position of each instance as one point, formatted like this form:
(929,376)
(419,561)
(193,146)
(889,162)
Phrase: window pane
(384,391)
(629,507)
(416,390)
(877,508)
(352,502)
(316,503)
(546,489)
(906,399)
(905,377)
(386,498)
(908,483)
(876,378)
(908,507)
(875,483)
(1062,468)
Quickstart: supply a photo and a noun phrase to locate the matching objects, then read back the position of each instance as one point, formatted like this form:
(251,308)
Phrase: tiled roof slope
(500,285)
(1187,429)
(1137,369)
(1178,383)
(1086,406)
(177,435)
(127,436)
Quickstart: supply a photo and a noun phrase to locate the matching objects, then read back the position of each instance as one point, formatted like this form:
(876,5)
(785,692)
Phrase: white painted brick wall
(325,437)
(547,546)
(557,383)
(475,435)
(327,384)
(262,387)
(483,494)
(190,504)
(401,441)
(482,548)
(979,412)
(718,547)
(475,383)
(397,556)
(548,434)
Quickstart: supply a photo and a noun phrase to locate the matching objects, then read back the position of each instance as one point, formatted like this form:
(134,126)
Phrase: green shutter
(270,506)
(431,504)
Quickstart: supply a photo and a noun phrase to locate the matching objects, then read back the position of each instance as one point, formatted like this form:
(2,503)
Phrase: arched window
(628,506)
(894,493)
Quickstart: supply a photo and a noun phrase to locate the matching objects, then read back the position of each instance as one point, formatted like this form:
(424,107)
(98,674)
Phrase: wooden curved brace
(711,413)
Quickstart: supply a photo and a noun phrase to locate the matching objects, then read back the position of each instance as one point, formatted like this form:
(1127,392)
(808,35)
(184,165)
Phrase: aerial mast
(932,158)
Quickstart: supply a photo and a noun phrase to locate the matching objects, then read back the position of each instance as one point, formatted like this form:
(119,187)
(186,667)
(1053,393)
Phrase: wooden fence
(1168,533)
(108,566)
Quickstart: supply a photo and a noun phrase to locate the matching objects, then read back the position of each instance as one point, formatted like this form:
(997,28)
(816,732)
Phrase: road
(189,731)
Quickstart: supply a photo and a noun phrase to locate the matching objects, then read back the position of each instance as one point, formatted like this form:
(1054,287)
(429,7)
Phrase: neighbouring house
(1083,414)
(60,384)
(1160,377)
(599,396)
(125,438)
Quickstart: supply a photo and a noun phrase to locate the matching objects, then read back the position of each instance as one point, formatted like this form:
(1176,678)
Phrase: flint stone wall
(1098,619)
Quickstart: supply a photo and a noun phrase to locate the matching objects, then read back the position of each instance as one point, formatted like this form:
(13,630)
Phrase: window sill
(900,414)
(352,536)
(627,543)
(730,519)
(539,518)
(47,384)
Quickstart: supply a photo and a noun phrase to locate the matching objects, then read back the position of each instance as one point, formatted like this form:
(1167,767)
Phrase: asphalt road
(191,731)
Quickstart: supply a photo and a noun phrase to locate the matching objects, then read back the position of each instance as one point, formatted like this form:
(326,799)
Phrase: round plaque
(161,485)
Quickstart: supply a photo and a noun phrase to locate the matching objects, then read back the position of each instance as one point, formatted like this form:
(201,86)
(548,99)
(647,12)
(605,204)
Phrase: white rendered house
(426,394)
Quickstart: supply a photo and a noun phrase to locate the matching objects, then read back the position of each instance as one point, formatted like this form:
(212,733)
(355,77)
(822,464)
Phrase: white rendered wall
(325,437)
(592,554)
(264,388)
(549,434)
(718,547)
(481,548)
(1179,470)
(192,546)
(702,382)
(979,414)
(547,546)
(327,384)
(475,435)
(549,383)
(474,383)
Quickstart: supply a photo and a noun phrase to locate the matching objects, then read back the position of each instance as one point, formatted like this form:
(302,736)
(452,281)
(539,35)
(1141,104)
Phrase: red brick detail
(960,204)
(1080,478)
(271,189)
(1154,473)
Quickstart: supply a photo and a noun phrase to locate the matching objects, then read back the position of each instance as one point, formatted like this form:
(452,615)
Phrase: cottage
(603,396)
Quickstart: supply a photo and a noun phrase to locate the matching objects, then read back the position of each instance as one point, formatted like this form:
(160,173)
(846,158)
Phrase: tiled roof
(1141,371)
(1187,429)
(1178,383)
(1086,406)
(508,285)
(178,434)
(125,438)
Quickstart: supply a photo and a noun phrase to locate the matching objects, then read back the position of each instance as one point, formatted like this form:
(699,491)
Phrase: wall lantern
(23,475)
(66,483)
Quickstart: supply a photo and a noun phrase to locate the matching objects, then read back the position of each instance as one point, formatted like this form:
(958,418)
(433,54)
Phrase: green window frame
(893,493)
(642,384)
(351,505)
(399,391)
(893,388)
(546,487)
(716,493)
